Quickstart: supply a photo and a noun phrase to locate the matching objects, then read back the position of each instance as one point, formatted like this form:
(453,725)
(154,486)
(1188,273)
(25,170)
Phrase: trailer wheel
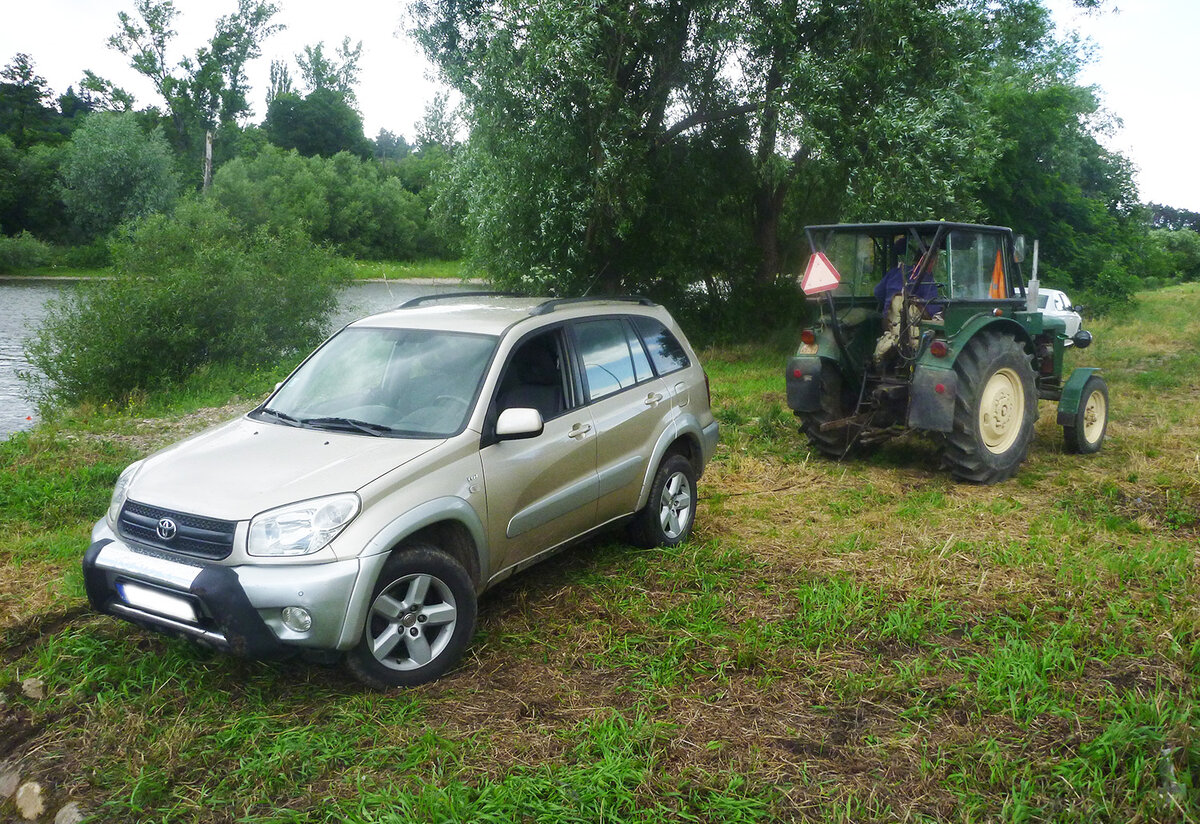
(1085,435)
(994,410)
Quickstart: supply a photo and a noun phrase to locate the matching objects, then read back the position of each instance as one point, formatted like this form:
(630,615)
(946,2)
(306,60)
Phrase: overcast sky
(1144,65)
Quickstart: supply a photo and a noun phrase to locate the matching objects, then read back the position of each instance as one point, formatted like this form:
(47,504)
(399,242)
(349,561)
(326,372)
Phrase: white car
(1056,304)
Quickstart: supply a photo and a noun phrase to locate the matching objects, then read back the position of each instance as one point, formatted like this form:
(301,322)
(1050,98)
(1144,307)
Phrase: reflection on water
(23,305)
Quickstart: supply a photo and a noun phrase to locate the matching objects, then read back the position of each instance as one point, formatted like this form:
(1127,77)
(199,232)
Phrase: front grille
(202,537)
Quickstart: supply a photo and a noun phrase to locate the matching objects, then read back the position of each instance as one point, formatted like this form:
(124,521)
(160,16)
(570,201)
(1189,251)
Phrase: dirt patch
(16,728)
(145,435)
(20,638)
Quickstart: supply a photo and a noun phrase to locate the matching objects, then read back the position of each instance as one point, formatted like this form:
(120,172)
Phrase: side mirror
(1019,249)
(518,422)
(1082,339)
(1077,308)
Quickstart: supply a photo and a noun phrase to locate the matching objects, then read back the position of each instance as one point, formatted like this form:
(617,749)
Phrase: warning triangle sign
(820,276)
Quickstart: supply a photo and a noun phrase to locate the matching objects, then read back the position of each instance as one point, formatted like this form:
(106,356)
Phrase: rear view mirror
(1019,248)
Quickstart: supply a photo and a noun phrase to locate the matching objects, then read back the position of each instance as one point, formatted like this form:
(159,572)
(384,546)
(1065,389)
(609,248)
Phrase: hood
(236,470)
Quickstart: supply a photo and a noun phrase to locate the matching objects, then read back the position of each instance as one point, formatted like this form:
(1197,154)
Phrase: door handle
(653,399)
(579,430)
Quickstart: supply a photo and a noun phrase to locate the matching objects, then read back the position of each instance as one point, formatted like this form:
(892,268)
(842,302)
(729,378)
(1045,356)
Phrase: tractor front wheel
(1085,434)
(994,411)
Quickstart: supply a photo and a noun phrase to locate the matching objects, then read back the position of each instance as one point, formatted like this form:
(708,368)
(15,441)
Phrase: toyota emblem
(166,529)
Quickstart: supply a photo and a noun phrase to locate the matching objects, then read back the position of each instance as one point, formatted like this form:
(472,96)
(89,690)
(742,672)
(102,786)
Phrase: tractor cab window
(859,259)
(975,263)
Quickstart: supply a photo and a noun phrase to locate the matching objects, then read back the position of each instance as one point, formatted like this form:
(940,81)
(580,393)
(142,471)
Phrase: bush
(341,200)
(23,252)
(189,290)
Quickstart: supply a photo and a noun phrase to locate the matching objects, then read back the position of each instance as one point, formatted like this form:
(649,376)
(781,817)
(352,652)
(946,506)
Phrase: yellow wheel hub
(1095,412)
(1001,411)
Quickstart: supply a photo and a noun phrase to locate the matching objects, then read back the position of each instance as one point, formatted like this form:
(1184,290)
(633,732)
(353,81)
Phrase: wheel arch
(678,439)
(450,523)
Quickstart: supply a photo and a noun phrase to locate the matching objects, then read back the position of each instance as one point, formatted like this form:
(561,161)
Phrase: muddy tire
(670,511)
(421,617)
(837,402)
(1085,435)
(994,411)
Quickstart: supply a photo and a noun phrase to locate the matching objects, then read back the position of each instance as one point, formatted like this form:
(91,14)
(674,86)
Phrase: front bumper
(237,609)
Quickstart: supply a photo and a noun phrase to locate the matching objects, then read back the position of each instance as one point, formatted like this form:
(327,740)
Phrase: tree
(113,172)
(338,73)
(390,146)
(579,114)
(322,123)
(27,112)
(1168,217)
(280,81)
(101,95)
(204,92)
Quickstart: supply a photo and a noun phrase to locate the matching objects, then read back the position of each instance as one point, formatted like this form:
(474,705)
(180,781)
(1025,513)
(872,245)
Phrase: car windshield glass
(397,382)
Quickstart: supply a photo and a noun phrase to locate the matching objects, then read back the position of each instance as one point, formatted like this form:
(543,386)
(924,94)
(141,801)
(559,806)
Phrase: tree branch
(700,118)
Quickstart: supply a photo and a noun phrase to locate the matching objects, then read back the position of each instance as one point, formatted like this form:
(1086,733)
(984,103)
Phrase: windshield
(396,382)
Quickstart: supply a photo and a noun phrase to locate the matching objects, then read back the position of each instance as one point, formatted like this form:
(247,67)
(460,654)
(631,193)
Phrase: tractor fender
(1072,394)
(803,380)
(990,323)
(931,398)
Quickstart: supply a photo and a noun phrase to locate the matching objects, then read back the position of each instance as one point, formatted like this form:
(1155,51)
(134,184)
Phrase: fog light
(297,619)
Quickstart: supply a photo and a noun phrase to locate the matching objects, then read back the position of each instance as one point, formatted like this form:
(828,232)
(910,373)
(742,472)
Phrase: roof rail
(417,301)
(549,306)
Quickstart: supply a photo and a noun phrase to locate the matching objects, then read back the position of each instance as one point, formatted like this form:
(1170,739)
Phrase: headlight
(302,528)
(121,491)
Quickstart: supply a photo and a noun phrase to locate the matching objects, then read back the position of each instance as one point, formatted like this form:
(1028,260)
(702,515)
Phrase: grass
(864,641)
(395,270)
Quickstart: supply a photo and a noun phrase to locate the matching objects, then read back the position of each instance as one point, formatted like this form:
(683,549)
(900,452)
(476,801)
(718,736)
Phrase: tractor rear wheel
(837,403)
(1085,435)
(994,411)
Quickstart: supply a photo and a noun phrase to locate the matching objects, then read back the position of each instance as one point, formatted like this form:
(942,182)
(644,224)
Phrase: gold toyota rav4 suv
(416,459)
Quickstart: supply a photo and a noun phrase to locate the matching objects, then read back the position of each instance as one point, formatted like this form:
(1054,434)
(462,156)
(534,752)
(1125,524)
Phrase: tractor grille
(202,537)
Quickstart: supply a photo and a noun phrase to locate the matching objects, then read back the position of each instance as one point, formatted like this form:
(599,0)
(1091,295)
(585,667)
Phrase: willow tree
(610,140)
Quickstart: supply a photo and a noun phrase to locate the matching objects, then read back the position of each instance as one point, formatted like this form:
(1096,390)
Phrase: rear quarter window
(666,352)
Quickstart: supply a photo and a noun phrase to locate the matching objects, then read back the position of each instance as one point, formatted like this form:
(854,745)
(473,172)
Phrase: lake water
(22,306)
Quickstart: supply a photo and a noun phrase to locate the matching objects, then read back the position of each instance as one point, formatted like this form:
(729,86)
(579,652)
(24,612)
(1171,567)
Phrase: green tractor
(930,326)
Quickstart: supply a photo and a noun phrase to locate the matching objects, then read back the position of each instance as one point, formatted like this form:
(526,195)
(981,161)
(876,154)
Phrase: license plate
(157,601)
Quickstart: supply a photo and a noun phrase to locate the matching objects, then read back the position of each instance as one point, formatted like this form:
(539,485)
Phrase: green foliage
(612,148)
(113,172)
(205,91)
(22,252)
(1180,250)
(27,113)
(190,289)
(340,200)
(29,191)
(322,123)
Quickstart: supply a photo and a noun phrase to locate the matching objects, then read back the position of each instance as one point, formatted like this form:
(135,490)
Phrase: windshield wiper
(280,416)
(375,429)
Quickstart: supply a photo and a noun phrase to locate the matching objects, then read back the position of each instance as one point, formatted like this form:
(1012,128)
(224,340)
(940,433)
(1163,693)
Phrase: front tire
(670,511)
(1085,435)
(421,617)
(994,411)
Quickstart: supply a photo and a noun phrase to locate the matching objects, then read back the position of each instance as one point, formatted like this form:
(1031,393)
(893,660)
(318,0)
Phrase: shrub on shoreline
(190,289)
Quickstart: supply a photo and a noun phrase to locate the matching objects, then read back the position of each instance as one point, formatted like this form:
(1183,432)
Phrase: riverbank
(864,641)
